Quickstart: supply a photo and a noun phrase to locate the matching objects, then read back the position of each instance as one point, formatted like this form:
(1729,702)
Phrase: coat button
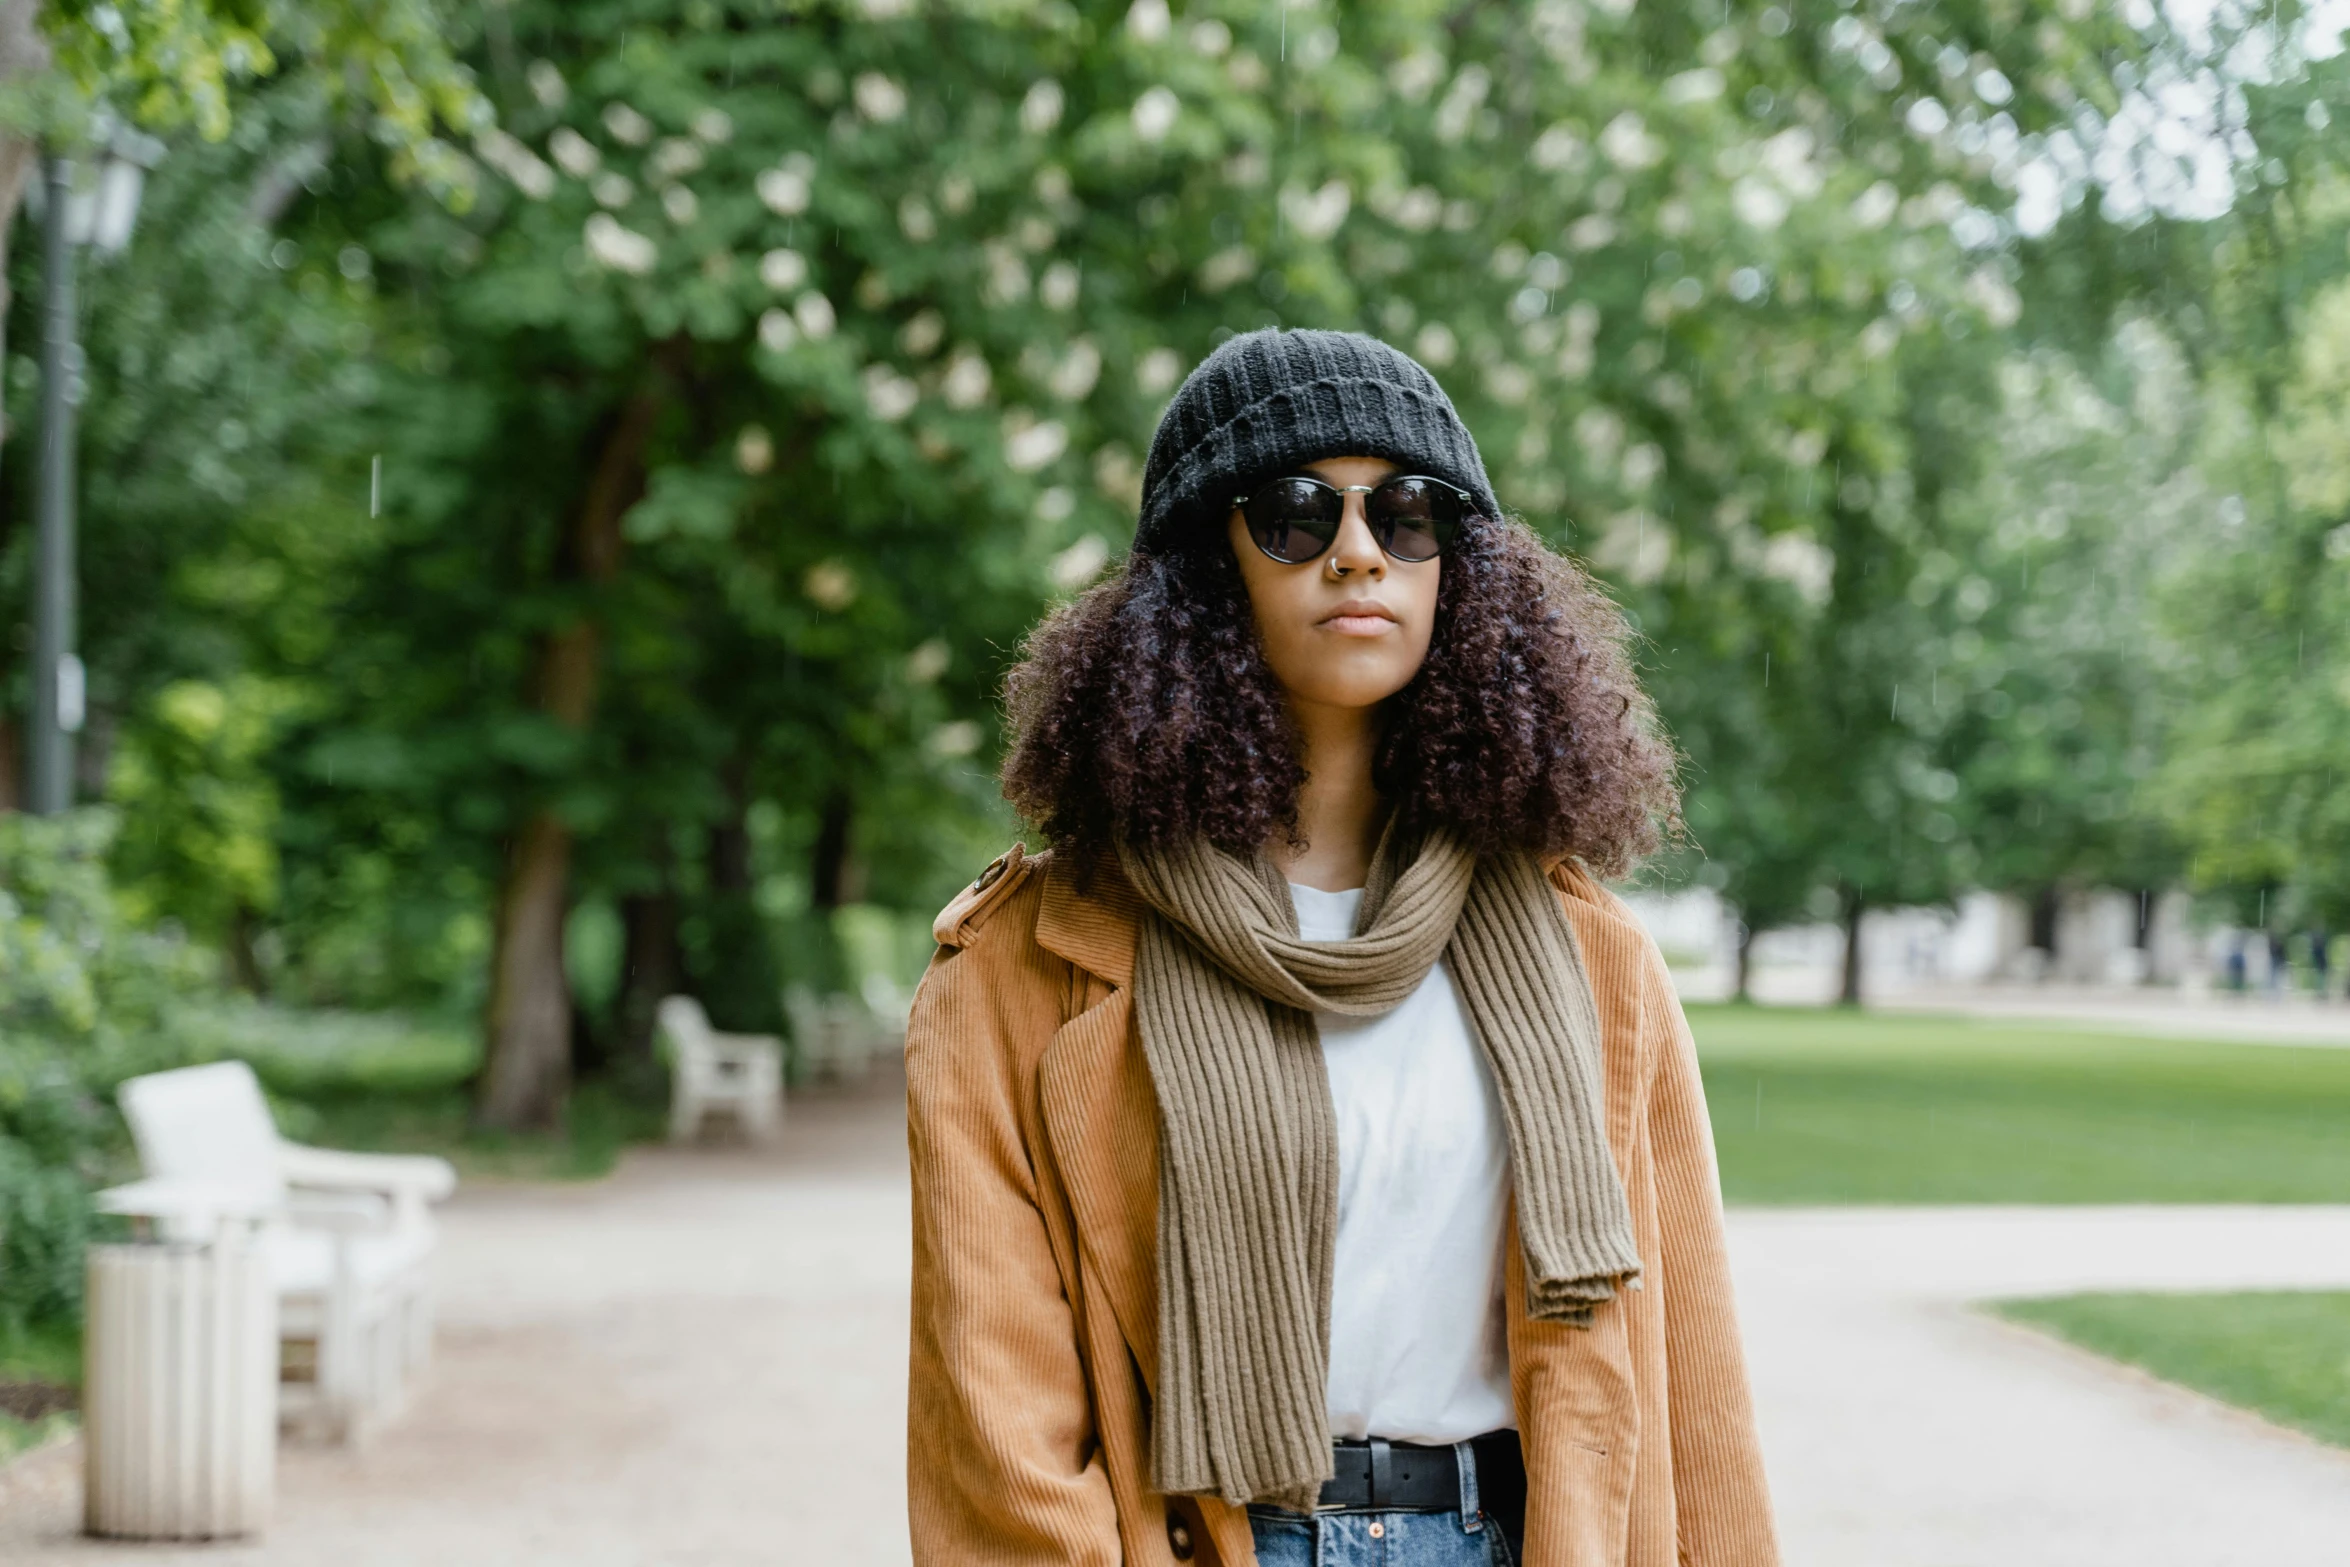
(1179,1538)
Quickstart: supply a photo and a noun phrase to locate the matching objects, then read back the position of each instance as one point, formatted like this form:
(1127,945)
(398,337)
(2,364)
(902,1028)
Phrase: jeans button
(1378,1531)
(1179,1538)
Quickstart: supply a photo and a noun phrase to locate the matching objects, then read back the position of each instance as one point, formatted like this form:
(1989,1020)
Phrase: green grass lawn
(34,1365)
(2282,1354)
(601,1125)
(1827,1106)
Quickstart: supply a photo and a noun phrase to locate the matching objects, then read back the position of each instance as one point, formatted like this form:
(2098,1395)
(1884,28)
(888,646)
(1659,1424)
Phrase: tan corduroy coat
(1035,1153)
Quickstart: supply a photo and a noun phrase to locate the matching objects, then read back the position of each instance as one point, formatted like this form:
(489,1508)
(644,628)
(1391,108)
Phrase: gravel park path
(697,1363)
(1903,1430)
(700,1363)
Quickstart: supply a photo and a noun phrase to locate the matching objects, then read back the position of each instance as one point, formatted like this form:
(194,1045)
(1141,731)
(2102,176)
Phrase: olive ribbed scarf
(1224,993)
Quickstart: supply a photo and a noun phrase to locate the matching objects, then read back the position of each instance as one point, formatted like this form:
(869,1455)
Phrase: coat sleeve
(1002,1464)
(1722,1503)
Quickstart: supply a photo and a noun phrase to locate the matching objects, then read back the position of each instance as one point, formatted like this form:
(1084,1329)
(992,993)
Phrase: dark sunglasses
(1414,517)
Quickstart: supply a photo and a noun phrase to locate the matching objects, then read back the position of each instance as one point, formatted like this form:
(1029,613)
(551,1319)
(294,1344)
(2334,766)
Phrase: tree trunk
(1744,991)
(651,969)
(2045,905)
(834,877)
(739,982)
(527,1072)
(816,962)
(11,757)
(1854,903)
(728,850)
(244,957)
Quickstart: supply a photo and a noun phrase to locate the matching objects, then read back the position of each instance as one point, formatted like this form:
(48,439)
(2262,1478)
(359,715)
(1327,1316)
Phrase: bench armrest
(342,1212)
(163,1198)
(414,1177)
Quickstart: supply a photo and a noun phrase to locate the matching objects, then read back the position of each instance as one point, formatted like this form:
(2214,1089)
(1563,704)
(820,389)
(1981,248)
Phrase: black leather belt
(1382,1476)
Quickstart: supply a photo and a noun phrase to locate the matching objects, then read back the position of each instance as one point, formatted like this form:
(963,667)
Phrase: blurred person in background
(1310,1162)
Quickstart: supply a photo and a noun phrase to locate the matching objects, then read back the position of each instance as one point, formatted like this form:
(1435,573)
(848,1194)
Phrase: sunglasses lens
(1415,518)
(1292,520)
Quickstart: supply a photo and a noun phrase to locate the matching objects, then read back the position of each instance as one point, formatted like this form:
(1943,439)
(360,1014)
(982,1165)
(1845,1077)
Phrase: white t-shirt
(1417,1345)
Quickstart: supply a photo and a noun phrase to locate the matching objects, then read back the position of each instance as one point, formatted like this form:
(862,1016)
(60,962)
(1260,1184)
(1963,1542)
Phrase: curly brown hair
(1144,712)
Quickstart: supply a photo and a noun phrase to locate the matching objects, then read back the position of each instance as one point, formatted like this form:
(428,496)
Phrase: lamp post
(91,200)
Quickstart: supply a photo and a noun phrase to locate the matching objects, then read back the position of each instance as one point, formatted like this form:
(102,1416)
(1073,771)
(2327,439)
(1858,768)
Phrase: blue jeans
(1468,1538)
(1287,1539)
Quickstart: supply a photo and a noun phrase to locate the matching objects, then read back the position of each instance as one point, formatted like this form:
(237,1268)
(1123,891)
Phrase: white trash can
(179,1388)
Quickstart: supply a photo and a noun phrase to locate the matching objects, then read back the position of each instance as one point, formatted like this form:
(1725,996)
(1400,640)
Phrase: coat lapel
(1100,1116)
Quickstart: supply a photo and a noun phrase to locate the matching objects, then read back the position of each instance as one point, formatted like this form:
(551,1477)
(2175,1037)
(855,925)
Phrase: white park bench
(348,1236)
(741,1074)
(830,1032)
(841,1035)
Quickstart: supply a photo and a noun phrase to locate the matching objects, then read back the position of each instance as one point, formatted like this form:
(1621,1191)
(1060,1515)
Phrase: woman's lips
(1355,619)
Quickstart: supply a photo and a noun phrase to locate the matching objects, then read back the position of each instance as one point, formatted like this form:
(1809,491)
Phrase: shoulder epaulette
(957,921)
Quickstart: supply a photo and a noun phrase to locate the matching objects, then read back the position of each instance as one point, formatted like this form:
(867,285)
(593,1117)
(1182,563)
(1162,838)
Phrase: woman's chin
(1353,688)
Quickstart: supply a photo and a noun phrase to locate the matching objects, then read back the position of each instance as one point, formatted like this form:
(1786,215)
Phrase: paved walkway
(1901,1428)
(700,1363)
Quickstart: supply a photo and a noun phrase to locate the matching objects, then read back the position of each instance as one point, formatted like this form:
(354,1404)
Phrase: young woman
(1310,1163)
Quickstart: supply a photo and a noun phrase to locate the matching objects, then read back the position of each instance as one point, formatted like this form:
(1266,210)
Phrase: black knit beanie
(1266,402)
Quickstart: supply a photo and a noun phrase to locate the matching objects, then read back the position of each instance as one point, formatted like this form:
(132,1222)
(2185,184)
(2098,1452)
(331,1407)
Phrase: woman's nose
(1355,552)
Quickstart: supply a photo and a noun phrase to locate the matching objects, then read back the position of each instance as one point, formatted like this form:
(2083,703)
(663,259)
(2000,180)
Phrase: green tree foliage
(68,67)
(86,998)
(790,357)
(2005,617)
(201,808)
(2256,762)
(170,63)
(2257,742)
(222,505)
(2058,659)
